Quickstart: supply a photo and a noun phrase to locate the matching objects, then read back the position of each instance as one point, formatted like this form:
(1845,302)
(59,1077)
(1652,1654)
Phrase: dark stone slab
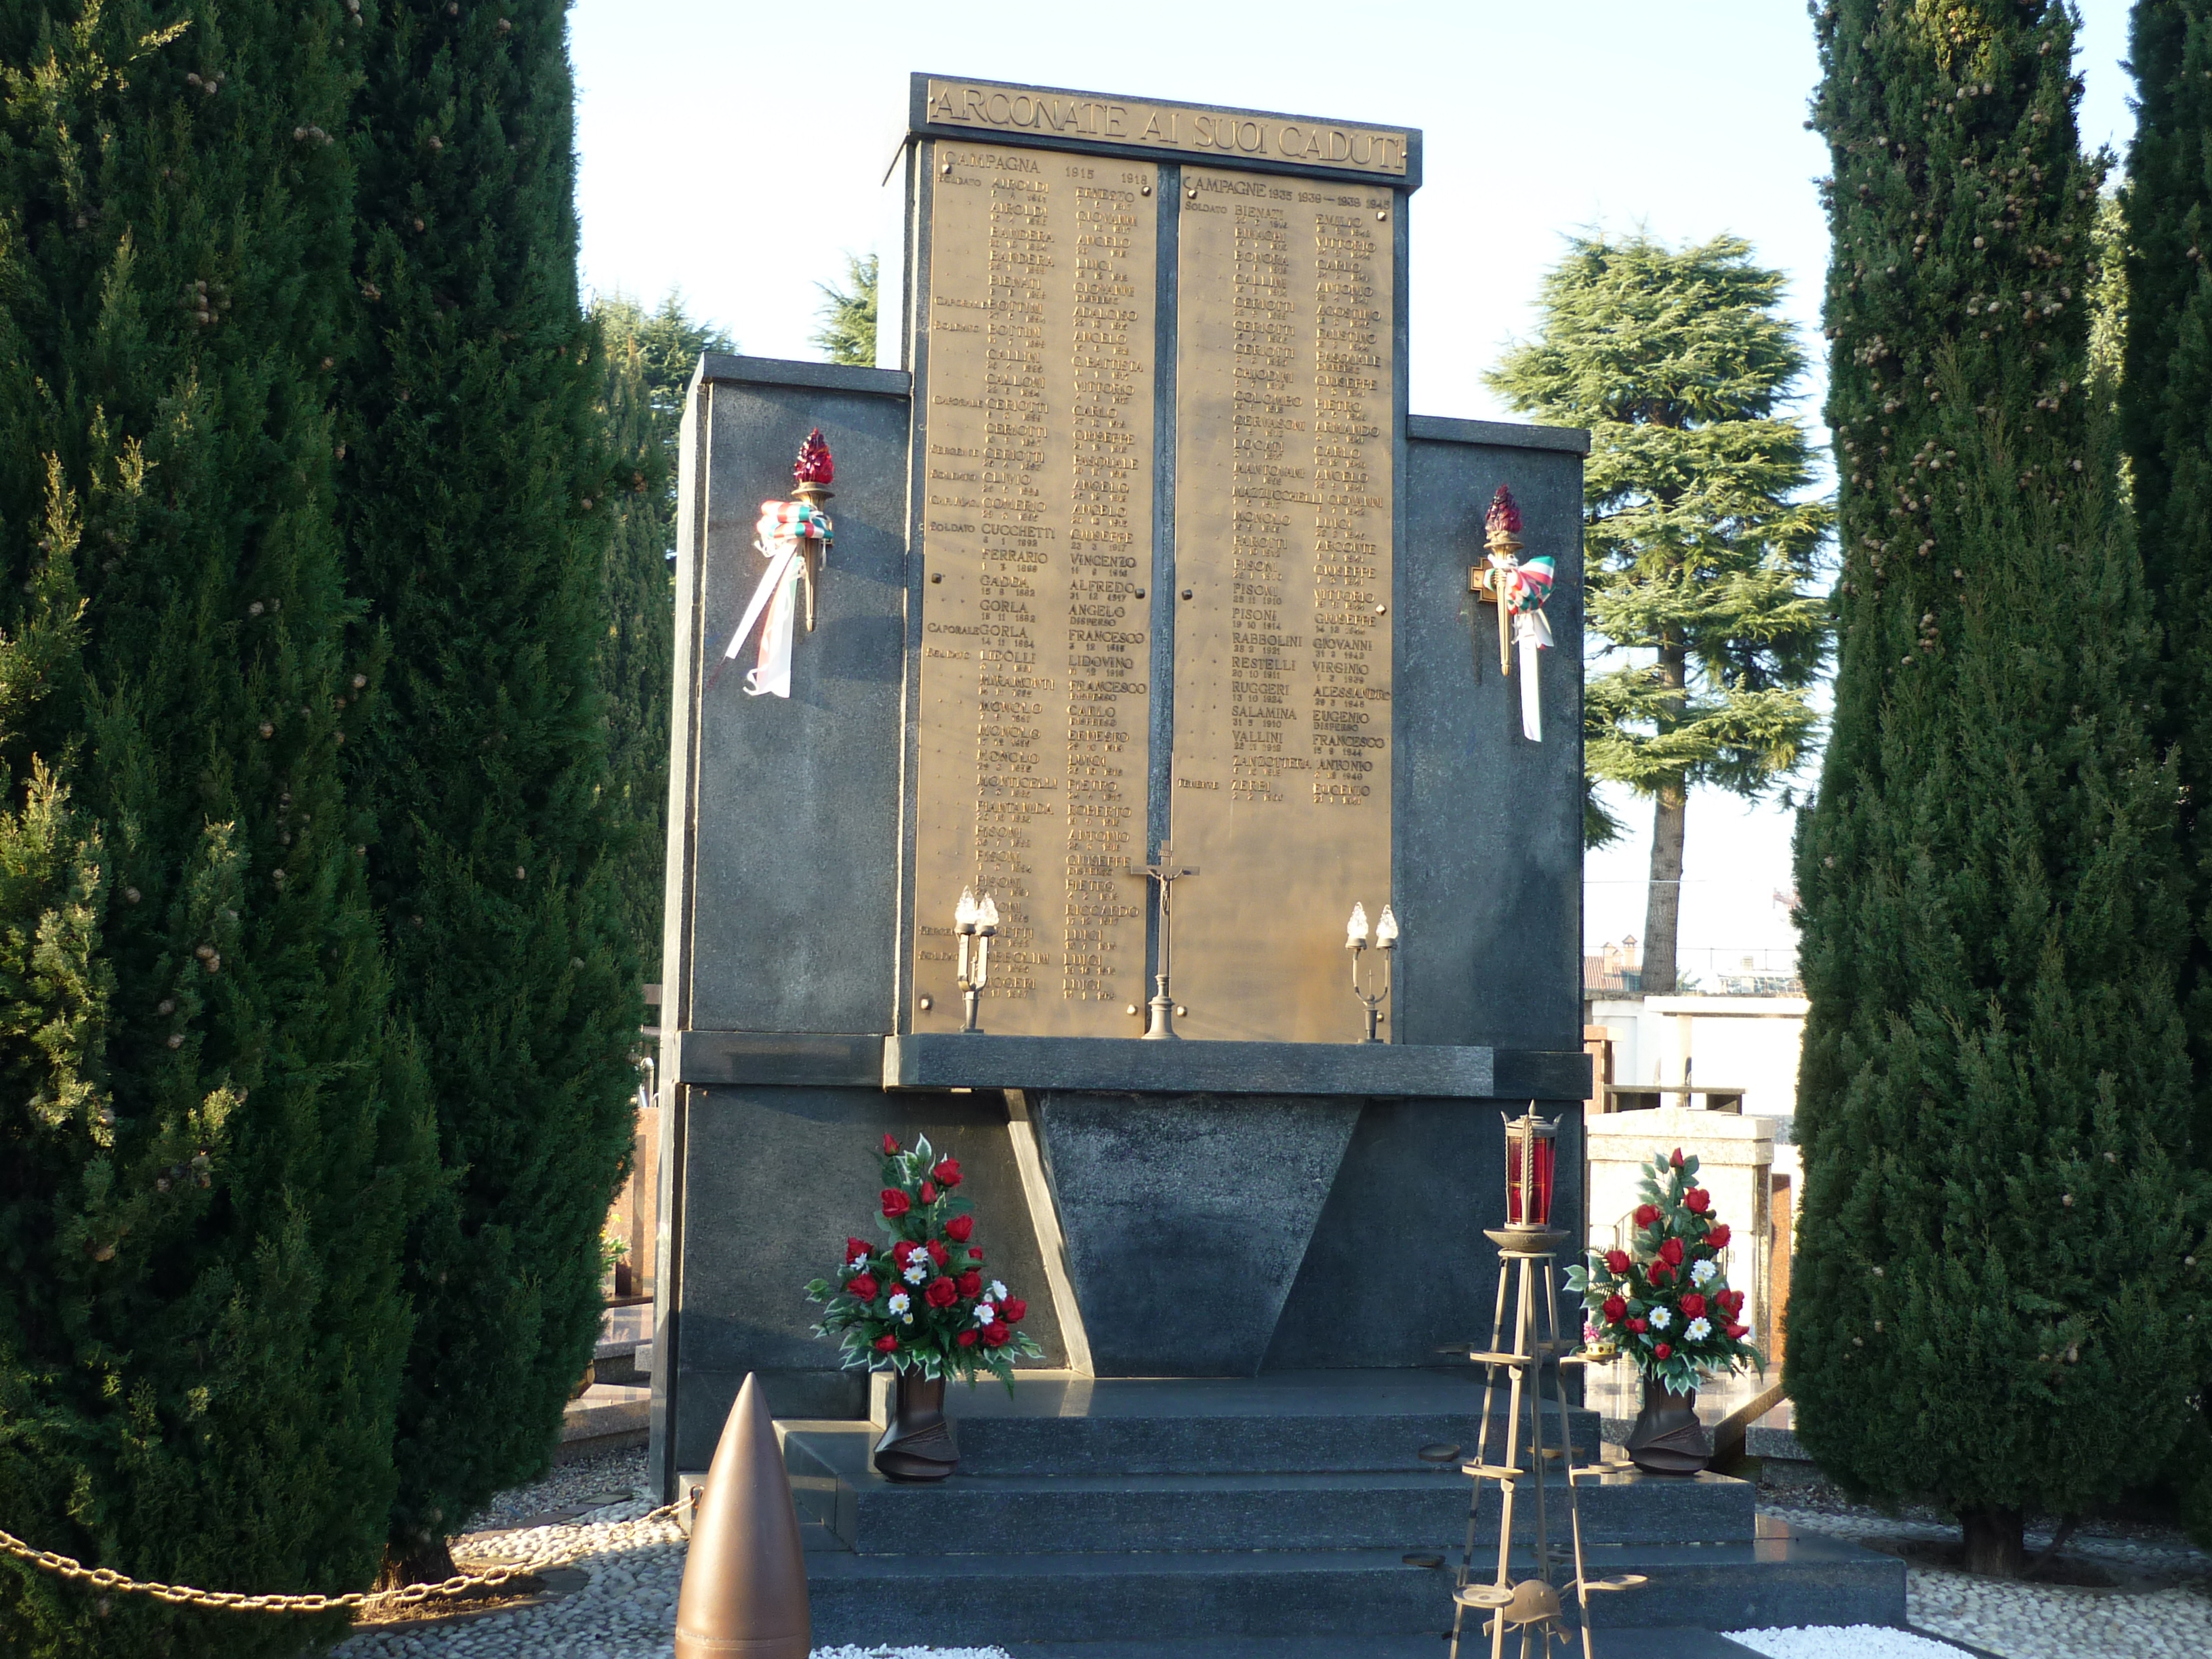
(783,885)
(1662,1643)
(772,1179)
(1413,1508)
(1497,434)
(1367,1593)
(1058,1423)
(1488,855)
(787,372)
(980,1060)
(1420,1181)
(1186,1218)
(835,1060)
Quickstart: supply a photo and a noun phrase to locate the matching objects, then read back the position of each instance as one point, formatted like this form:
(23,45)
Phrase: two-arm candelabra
(1385,941)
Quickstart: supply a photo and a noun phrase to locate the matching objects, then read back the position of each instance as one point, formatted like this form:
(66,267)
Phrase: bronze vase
(917,1442)
(1666,1437)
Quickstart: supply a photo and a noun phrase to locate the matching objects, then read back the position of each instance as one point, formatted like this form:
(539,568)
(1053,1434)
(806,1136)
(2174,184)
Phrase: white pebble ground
(1842,1642)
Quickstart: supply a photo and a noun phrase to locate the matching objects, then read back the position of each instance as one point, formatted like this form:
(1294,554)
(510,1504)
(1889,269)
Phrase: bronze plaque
(1035,722)
(1281,770)
(1207,133)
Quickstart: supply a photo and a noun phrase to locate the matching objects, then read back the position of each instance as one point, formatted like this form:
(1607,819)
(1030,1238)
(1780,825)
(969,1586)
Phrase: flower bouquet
(1666,1304)
(919,1305)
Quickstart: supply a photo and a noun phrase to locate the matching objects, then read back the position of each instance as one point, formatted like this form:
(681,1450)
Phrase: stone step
(1634,1643)
(1779,1579)
(834,1482)
(1054,1423)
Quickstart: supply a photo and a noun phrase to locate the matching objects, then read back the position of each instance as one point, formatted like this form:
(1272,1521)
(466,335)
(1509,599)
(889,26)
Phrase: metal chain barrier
(183,1595)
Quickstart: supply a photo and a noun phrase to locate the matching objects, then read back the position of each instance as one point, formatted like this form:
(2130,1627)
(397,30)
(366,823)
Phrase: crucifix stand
(1161,1026)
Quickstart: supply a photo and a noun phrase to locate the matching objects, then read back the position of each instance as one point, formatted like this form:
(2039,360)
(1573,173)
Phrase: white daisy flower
(1705,1273)
(998,1291)
(900,1302)
(985,1313)
(1662,1318)
(917,1269)
(1699,1329)
(908,1320)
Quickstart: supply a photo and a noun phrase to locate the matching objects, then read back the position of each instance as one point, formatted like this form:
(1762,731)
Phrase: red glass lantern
(1531,1150)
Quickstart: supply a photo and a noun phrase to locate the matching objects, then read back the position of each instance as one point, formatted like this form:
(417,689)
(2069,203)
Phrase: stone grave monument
(1150,616)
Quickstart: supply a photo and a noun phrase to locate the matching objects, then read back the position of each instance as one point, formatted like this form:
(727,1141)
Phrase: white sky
(734,151)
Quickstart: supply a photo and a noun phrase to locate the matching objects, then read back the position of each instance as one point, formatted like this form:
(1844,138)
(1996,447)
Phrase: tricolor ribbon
(781,538)
(1524,585)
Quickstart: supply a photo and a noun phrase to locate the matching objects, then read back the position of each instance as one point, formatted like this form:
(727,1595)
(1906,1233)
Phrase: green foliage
(646,362)
(478,494)
(1992,1303)
(2165,399)
(1698,546)
(922,1300)
(1649,1301)
(847,316)
(211,1146)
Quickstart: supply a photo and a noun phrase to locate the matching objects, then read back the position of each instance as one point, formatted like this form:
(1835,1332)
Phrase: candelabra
(1356,940)
(976,923)
(1526,1245)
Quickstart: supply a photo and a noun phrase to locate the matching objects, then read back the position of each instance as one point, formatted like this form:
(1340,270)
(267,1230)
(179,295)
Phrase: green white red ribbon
(781,538)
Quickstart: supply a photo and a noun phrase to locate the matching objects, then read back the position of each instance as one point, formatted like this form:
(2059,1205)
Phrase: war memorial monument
(1154,617)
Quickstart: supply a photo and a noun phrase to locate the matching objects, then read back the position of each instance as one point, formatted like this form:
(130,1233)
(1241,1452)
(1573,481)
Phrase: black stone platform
(1131,1513)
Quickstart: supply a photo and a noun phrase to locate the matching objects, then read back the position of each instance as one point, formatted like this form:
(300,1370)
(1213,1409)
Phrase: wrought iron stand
(1532,1606)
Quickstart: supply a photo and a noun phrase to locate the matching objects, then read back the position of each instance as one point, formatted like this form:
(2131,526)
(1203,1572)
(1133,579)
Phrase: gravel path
(2162,1611)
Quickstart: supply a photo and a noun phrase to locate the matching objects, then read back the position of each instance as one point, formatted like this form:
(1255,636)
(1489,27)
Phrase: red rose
(966,1338)
(1012,1309)
(1617,1262)
(890,1148)
(896,1204)
(1693,1305)
(903,1250)
(1737,1333)
(947,1172)
(976,1254)
(1665,1350)
(1661,1273)
(1698,1200)
(1613,1308)
(1675,1157)
(997,1334)
(941,1293)
(856,1249)
(970,1283)
(1671,1253)
(886,1343)
(1646,1214)
(1718,1237)
(928,1193)
(1639,1325)
(1731,1302)
(862,1286)
(960,1229)
(937,1252)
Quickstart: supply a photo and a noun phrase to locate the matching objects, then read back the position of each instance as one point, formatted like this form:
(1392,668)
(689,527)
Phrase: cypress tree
(1993,1303)
(2166,415)
(1679,363)
(646,360)
(477,502)
(208,1140)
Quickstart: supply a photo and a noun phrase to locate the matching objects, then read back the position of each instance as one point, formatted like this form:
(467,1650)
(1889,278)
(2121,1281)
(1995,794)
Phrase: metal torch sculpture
(1518,587)
(1526,1245)
(793,537)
